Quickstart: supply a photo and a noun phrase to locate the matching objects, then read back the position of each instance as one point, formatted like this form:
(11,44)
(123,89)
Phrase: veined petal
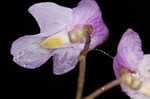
(51,17)
(88,12)
(85,10)
(100,31)
(65,59)
(129,51)
(27,52)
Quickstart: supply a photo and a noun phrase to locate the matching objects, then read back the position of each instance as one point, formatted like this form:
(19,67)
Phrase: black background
(118,16)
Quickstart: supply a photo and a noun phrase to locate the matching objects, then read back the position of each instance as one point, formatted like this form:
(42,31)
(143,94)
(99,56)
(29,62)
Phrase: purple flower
(61,35)
(134,65)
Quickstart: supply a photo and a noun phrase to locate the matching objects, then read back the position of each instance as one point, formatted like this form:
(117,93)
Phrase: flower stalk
(106,87)
(82,66)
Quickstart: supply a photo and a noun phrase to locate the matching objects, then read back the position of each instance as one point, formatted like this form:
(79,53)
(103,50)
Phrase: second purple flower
(133,65)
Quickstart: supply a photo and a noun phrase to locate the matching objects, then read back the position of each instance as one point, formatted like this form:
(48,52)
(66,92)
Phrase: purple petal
(116,67)
(27,52)
(51,17)
(85,10)
(65,60)
(100,31)
(129,52)
(88,12)
(144,66)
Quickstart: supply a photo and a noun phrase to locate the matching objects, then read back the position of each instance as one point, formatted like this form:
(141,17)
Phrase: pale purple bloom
(55,20)
(130,56)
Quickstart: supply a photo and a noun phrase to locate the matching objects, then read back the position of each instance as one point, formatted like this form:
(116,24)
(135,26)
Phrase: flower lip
(59,40)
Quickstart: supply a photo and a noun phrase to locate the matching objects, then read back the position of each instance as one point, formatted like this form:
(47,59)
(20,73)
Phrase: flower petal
(85,10)
(65,60)
(129,50)
(116,67)
(51,17)
(144,66)
(27,52)
(100,31)
(88,12)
